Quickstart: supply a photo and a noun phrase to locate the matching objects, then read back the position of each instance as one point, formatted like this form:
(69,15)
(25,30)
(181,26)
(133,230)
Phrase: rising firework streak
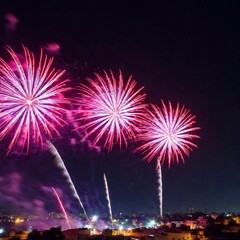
(108,196)
(159,171)
(61,164)
(61,206)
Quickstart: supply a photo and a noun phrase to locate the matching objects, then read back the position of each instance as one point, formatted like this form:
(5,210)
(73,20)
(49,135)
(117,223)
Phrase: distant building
(76,234)
(191,210)
(177,223)
(231,229)
(71,234)
(198,235)
(202,220)
(136,233)
(173,235)
(192,224)
(54,215)
(21,235)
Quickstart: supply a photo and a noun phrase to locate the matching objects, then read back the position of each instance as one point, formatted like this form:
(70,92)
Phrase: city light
(1,231)
(94,218)
(151,224)
(19,220)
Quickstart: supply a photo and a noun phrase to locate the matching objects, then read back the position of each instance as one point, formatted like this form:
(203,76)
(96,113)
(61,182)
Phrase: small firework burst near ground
(167,134)
(110,110)
(31,99)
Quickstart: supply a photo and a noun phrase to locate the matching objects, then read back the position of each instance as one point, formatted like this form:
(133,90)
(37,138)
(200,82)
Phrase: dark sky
(183,51)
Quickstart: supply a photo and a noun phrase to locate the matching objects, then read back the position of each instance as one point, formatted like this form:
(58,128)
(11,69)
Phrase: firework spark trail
(61,206)
(61,164)
(167,133)
(108,196)
(110,110)
(159,171)
(31,100)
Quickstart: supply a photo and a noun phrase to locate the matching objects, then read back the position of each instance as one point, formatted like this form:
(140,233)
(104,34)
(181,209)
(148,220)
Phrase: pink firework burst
(110,110)
(167,133)
(31,100)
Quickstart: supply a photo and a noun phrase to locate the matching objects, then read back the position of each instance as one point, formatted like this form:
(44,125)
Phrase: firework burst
(31,100)
(110,111)
(167,133)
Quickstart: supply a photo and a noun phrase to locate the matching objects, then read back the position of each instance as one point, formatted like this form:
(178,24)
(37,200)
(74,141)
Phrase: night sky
(183,51)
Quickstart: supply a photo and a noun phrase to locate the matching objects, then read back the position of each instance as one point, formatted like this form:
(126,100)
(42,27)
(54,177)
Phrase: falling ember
(61,164)
(109,110)
(62,207)
(168,134)
(108,196)
(31,100)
